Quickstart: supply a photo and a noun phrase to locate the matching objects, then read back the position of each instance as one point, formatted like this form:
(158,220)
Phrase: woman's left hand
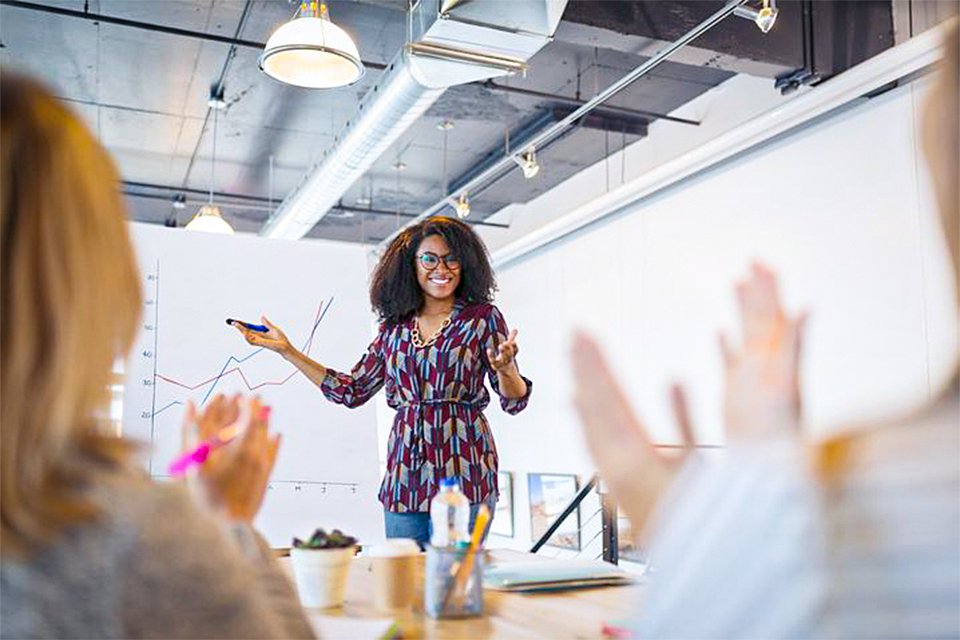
(503,359)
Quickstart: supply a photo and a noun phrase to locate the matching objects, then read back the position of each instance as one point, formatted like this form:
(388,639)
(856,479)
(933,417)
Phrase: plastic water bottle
(450,515)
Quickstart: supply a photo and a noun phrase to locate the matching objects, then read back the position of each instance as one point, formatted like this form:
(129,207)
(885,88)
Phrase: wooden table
(569,614)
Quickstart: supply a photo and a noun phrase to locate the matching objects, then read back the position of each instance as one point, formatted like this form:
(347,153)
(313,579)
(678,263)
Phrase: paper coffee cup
(394,566)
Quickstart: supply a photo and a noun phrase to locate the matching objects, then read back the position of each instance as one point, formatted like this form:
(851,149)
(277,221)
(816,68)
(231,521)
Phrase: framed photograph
(503,516)
(627,548)
(550,493)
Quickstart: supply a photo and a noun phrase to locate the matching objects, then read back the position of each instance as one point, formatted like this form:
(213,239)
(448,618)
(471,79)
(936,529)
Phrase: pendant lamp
(209,218)
(311,51)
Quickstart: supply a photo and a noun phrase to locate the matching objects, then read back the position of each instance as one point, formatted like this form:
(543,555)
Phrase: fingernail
(265,413)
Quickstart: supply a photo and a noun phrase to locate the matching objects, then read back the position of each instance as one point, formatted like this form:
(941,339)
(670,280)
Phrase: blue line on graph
(159,411)
(238,361)
(220,375)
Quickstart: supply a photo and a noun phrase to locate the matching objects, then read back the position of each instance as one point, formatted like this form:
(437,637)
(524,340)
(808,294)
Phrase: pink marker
(199,455)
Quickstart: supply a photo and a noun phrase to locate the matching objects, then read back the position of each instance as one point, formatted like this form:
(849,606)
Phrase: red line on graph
(251,387)
(306,349)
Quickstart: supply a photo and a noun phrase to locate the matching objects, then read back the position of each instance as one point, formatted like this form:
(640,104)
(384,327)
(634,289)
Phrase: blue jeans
(417,525)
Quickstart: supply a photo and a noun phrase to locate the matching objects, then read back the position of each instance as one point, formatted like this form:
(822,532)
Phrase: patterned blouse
(439,430)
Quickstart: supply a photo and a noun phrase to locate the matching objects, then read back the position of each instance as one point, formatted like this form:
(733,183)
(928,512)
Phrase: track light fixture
(765,17)
(462,206)
(528,163)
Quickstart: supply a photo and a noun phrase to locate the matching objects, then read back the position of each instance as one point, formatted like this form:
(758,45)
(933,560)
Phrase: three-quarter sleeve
(364,380)
(497,327)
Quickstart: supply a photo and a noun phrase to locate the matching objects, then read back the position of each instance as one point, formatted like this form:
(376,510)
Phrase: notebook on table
(553,575)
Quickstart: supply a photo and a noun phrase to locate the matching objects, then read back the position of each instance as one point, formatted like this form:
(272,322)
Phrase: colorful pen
(199,455)
(253,327)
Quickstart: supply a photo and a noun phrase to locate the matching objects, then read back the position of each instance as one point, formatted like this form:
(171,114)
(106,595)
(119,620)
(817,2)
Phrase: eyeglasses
(430,261)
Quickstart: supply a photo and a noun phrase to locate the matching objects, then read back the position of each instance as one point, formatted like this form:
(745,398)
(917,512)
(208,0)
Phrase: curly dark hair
(395,293)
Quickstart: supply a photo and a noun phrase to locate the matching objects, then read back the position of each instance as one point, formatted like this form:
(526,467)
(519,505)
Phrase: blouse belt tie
(417,406)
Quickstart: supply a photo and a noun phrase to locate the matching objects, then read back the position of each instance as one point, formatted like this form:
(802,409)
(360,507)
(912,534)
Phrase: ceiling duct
(450,43)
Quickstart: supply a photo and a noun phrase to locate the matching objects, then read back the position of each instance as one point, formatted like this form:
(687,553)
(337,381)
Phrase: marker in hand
(246,325)
(199,455)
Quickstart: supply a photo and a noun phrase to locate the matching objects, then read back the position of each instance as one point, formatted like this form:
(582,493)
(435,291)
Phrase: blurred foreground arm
(635,472)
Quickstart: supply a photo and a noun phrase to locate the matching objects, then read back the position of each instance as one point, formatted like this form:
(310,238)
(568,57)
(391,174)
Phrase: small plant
(320,539)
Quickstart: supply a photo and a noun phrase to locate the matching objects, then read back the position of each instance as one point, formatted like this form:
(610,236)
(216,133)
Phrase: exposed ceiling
(140,73)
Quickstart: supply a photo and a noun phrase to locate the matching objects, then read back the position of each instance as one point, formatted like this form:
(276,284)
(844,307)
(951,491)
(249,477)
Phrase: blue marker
(253,327)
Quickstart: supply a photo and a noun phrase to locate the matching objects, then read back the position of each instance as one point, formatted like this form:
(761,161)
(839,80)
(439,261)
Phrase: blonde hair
(71,303)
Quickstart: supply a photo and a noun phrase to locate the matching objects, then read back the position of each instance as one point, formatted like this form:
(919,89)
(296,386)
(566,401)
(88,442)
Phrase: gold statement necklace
(418,340)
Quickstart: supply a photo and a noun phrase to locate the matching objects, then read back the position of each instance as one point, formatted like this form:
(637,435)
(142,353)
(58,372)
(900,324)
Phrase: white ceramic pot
(321,575)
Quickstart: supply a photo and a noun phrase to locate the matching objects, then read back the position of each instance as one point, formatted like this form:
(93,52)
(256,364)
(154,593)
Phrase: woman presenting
(439,336)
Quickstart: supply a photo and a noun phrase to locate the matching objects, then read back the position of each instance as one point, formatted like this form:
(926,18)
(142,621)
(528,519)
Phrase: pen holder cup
(442,598)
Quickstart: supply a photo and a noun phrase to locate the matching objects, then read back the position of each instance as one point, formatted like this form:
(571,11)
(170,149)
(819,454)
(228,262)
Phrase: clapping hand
(762,397)
(762,391)
(635,472)
(274,339)
(233,479)
(503,356)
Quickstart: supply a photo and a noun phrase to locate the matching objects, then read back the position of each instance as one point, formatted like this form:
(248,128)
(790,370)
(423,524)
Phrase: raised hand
(233,480)
(635,472)
(503,357)
(762,391)
(274,339)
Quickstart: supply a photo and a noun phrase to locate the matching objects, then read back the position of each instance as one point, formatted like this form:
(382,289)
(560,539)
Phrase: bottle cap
(449,483)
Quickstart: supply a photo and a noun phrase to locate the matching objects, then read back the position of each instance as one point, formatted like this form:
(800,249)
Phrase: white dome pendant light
(208,218)
(312,52)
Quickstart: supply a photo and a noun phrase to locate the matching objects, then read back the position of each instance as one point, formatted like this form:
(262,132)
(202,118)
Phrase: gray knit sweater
(154,566)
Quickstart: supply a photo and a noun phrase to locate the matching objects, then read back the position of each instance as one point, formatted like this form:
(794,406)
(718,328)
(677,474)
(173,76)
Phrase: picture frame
(503,519)
(627,548)
(549,494)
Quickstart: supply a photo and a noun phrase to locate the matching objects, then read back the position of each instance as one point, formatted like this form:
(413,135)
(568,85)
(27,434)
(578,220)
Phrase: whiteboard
(326,472)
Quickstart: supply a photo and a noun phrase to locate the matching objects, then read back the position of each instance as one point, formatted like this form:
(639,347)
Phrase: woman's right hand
(636,473)
(274,339)
(233,479)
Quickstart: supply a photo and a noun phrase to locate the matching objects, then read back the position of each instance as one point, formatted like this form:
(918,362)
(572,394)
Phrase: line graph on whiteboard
(170,380)
(326,473)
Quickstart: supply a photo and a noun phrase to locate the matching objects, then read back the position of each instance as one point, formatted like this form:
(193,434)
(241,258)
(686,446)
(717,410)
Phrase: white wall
(841,209)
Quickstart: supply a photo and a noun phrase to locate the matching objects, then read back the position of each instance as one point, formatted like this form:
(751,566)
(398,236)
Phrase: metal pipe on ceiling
(551,132)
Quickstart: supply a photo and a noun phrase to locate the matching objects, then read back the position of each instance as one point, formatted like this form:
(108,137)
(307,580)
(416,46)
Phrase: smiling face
(439,282)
